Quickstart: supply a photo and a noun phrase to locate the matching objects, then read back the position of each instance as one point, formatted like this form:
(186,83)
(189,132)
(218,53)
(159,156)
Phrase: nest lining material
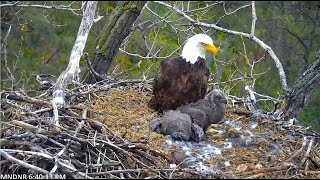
(130,149)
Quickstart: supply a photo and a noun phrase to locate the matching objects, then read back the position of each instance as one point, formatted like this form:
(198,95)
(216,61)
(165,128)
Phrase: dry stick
(114,147)
(306,155)
(111,145)
(147,156)
(89,65)
(121,164)
(306,168)
(128,171)
(304,143)
(5,142)
(73,70)
(65,148)
(285,164)
(255,176)
(28,126)
(29,152)
(37,112)
(74,170)
(310,172)
(32,128)
(129,155)
(315,159)
(141,146)
(105,87)
(269,169)
(26,99)
(55,7)
(4,60)
(22,163)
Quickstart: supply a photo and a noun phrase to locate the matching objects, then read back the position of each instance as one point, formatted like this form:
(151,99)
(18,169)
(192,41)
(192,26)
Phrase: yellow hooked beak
(211,48)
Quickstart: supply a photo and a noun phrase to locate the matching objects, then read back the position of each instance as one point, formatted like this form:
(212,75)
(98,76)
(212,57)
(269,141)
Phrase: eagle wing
(179,82)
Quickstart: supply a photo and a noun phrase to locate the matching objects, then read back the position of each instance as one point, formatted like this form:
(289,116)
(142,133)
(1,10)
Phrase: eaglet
(178,125)
(190,121)
(207,111)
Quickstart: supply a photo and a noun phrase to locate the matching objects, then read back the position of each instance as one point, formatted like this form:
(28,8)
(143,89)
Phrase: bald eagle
(183,79)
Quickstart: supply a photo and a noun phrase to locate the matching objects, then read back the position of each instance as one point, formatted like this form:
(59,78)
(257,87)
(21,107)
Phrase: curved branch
(246,35)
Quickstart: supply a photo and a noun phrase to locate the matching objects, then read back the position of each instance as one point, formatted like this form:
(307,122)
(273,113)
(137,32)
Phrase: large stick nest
(105,133)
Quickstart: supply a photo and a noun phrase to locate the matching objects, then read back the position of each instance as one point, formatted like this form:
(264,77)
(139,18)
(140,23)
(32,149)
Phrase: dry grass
(128,116)
(140,151)
(125,110)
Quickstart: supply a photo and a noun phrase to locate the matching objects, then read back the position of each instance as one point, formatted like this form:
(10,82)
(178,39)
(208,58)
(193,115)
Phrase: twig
(26,99)
(89,65)
(232,12)
(255,176)
(269,169)
(129,170)
(22,163)
(309,172)
(56,157)
(111,145)
(267,48)
(316,160)
(29,152)
(297,153)
(74,170)
(28,126)
(58,7)
(6,142)
(37,112)
(4,48)
(306,154)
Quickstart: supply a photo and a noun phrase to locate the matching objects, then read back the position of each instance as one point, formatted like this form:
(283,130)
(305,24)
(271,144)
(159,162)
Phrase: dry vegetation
(108,137)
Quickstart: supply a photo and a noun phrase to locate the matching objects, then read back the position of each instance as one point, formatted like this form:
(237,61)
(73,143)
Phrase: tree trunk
(118,27)
(306,84)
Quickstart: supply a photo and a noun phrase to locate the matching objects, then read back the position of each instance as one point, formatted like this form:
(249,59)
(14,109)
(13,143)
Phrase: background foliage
(41,40)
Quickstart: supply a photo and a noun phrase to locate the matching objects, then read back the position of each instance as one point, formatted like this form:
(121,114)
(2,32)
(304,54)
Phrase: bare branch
(29,152)
(232,12)
(22,163)
(58,7)
(203,8)
(296,36)
(249,36)
(254,18)
(5,60)
(73,70)
(21,98)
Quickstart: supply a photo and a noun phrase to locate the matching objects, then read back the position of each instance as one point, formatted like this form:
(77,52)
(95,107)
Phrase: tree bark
(73,70)
(300,92)
(118,27)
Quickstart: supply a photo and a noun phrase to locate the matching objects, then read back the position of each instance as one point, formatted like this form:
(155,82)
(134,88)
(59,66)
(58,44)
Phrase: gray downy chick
(178,125)
(207,111)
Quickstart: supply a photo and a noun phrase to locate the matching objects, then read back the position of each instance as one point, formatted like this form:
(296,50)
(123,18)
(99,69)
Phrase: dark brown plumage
(179,82)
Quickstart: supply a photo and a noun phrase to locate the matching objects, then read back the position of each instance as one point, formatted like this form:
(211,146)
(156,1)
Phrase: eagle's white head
(197,46)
